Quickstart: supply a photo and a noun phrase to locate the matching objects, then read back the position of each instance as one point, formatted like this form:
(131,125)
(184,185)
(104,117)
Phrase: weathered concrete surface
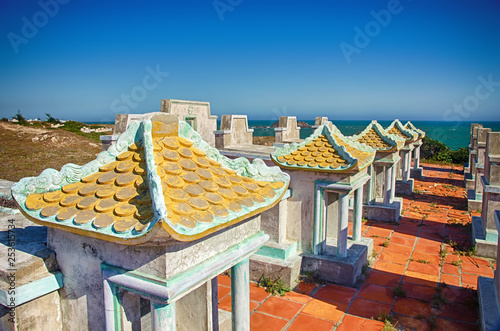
(342,271)
(80,258)
(489,311)
(483,247)
(404,187)
(32,261)
(384,213)
(233,131)
(288,270)
(287,130)
(196,113)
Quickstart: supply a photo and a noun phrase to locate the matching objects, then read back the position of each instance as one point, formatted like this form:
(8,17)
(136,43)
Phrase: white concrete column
(369,186)
(408,166)
(387,185)
(318,219)
(112,314)
(342,225)
(240,296)
(393,184)
(163,316)
(358,214)
(404,160)
(416,159)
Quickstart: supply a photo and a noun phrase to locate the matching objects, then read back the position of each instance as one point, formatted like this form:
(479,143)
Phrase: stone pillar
(416,158)
(393,184)
(163,316)
(484,227)
(240,296)
(475,194)
(406,167)
(387,186)
(342,225)
(368,193)
(358,214)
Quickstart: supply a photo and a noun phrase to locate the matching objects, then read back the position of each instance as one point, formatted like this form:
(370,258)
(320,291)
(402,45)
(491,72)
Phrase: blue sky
(88,60)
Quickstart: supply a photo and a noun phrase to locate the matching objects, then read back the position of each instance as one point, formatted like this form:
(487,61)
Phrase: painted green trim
(278,253)
(33,290)
(117,307)
(194,118)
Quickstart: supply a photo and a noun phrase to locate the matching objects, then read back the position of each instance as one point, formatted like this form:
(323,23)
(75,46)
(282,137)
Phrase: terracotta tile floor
(422,256)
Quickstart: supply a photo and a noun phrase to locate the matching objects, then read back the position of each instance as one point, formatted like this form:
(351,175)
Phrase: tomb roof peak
(158,176)
(326,150)
(397,128)
(379,139)
(409,125)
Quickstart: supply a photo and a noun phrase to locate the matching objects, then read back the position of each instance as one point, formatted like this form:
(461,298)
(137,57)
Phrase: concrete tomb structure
(235,139)
(324,169)
(404,185)
(469,168)
(488,292)
(417,170)
(287,131)
(485,234)
(380,202)
(141,233)
(475,194)
(195,113)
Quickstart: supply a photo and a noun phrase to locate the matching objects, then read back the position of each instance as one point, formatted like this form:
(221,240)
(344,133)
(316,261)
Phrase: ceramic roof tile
(377,138)
(409,125)
(193,194)
(324,150)
(396,128)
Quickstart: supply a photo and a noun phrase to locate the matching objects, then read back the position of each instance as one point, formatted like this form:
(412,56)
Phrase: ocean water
(452,134)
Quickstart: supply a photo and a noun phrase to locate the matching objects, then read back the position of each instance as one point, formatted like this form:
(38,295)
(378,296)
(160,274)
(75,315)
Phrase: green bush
(435,150)
(51,119)
(20,119)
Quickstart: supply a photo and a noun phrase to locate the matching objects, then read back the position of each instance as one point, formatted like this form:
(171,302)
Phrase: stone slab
(342,271)
(404,187)
(489,311)
(384,213)
(288,270)
(474,201)
(485,248)
(416,173)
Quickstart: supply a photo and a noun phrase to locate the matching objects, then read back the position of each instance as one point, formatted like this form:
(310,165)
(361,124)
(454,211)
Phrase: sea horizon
(453,134)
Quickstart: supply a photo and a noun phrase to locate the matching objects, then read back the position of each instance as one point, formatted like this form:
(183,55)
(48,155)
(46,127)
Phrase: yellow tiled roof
(197,192)
(374,140)
(319,154)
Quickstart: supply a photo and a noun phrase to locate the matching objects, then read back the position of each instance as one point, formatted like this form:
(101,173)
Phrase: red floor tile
(389,267)
(420,278)
(261,322)
(458,294)
(481,270)
(395,239)
(223,291)
(420,292)
(367,308)
(450,269)
(224,280)
(376,293)
(412,307)
(427,249)
(280,307)
(459,312)
(400,249)
(429,269)
(307,322)
(469,280)
(389,256)
(258,294)
(225,304)
(355,323)
(447,325)
(297,297)
(327,310)
(383,278)
(432,259)
(410,323)
(336,293)
(450,279)
(306,288)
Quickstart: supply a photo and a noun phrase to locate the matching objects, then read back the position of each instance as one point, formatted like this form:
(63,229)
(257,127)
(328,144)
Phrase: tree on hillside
(51,119)
(20,119)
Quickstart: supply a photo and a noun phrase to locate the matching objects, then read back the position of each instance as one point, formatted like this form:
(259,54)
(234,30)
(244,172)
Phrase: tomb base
(417,173)
(474,201)
(276,261)
(343,271)
(489,312)
(384,213)
(485,245)
(404,187)
(469,181)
